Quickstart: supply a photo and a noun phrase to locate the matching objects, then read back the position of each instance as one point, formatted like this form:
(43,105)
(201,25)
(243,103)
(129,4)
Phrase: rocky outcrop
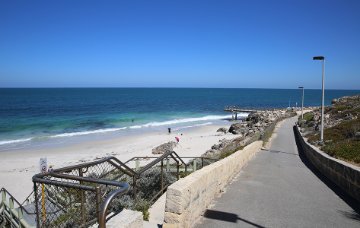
(253,128)
(256,122)
(169,146)
(222,129)
(342,109)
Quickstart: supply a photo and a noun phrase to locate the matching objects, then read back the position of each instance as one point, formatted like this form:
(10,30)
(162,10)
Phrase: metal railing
(83,195)
(71,196)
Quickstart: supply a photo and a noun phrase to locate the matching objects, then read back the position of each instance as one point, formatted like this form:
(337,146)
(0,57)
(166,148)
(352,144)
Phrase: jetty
(235,110)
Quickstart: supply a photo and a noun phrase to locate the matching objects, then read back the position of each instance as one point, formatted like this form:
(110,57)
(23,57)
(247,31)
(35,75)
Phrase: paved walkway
(276,189)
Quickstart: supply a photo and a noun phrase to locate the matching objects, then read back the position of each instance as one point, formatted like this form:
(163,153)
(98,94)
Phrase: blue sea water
(38,115)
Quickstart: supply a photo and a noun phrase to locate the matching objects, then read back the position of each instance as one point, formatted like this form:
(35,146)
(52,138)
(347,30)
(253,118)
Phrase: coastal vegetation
(341,129)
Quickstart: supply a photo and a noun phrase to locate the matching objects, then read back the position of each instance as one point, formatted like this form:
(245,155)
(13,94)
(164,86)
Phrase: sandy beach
(18,167)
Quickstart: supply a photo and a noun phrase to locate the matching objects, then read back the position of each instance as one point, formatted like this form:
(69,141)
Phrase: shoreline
(21,165)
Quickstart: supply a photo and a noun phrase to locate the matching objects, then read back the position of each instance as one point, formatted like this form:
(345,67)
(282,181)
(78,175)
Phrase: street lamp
(322,58)
(302,102)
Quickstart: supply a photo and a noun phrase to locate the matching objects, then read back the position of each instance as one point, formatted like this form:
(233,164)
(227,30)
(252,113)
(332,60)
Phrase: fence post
(134,187)
(97,191)
(82,199)
(36,206)
(194,165)
(202,162)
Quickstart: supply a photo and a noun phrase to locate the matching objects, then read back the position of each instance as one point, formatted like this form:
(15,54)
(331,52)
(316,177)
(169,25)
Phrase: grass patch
(309,116)
(348,150)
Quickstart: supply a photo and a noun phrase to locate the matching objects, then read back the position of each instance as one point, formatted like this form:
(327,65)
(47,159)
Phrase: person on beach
(169,130)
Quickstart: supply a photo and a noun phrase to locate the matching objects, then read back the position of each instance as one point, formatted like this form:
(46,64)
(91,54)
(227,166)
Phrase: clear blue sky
(241,44)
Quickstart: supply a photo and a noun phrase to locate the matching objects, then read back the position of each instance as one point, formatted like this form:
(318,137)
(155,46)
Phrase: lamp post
(302,102)
(322,58)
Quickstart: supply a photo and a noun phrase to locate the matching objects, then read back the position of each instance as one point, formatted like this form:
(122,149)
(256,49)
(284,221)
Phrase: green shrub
(309,116)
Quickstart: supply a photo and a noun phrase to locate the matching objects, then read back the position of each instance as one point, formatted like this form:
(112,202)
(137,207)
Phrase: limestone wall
(343,174)
(187,199)
(126,219)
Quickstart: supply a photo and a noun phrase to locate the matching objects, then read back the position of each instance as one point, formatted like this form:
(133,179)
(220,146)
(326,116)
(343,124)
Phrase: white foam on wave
(187,120)
(148,125)
(15,141)
(87,132)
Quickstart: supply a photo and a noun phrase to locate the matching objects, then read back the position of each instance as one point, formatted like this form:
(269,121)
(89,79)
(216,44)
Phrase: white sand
(18,167)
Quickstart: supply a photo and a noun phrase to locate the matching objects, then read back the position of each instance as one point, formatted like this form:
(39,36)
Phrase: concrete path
(276,189)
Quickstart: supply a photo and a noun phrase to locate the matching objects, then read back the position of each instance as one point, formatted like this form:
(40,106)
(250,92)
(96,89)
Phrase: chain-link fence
(71,196)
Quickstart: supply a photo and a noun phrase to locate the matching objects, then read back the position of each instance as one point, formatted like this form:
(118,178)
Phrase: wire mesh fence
(71,196)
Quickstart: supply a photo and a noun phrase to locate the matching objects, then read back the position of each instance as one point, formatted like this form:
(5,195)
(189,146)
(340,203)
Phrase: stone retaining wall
(188,198)
(343,174)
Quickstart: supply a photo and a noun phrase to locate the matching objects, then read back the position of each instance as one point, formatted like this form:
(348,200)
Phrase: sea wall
(343,174)
(187,199)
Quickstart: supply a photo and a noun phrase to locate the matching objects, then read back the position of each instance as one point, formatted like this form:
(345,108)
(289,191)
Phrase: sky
(225,44)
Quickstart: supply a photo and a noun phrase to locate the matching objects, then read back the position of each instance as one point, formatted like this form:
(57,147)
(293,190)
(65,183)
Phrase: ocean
(38,117)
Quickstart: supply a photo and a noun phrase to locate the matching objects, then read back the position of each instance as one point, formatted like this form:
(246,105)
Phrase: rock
(357,134)
(222,129)
(169,146)
(234,128)
(215,147)
(254,117)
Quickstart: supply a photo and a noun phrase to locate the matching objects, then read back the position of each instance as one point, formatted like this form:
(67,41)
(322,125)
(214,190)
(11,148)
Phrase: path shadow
(352,215)
(227,217)
(336,189)
(278,151)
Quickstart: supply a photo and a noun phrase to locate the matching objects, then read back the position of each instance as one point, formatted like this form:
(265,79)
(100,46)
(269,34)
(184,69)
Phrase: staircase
(15,214)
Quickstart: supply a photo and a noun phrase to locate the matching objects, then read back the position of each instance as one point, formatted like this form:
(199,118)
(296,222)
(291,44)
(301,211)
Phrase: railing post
(162,176)
(194,165)
(3,196)
(168,165)
(97,192)
(11,203)
(137,164)
(20,214)
(177,170)
(202,162)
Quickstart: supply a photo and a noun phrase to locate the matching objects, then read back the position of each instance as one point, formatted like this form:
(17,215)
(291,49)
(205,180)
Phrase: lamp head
(301,87)
(319,58)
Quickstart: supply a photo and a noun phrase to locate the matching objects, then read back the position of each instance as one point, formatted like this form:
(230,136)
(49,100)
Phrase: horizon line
(159,87)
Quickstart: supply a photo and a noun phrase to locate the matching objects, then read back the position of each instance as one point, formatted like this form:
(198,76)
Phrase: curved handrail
(124,188)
